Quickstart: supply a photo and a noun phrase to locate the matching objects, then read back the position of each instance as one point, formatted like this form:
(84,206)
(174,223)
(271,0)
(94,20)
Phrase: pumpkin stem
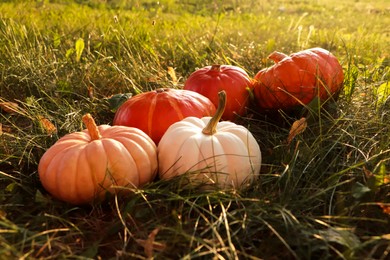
(211,127)
(277,56)
(161,90)
(91,127)
(215,67)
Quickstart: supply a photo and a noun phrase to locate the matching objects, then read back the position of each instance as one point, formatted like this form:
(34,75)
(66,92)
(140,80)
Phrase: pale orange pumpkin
(82,166)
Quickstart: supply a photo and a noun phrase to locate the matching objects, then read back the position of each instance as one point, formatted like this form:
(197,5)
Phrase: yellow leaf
(172,74)
(383,93)
(297,128)
(47,125)
(79,46)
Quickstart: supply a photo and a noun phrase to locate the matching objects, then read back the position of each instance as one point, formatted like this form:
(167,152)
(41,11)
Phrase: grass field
(324,196)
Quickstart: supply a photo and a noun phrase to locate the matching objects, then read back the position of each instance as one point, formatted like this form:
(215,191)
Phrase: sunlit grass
(323,196)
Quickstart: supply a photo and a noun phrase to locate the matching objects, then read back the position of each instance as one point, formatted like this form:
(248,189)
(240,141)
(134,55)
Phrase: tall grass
(324,196)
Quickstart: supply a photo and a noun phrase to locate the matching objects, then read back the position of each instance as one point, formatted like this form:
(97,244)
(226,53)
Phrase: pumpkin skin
(220,154)
(82,166)
(210,80)
(297,79)
(154,111)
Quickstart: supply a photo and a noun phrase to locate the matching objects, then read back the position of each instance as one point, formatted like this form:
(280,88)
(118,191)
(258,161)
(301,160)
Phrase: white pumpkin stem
(211,127)
(91,127)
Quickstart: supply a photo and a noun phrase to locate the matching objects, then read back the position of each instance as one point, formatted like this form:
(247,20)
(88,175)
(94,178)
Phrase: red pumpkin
(154,111)
(297,79)
(210,80)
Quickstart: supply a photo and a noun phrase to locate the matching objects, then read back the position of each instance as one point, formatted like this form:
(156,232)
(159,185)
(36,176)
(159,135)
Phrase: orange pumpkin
(82,166)
(297,79)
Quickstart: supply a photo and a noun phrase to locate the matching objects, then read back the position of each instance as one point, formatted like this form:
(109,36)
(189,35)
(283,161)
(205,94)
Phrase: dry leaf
(297,128)
(47,125)
(5,129)
(9,107)
(368,173)
(91,92)
(385,208)
(172,74)
(3,214)
(150,245)
(386,236)
(152,79)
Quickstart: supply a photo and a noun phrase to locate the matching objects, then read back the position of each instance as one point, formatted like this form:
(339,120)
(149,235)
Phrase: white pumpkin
(211,152)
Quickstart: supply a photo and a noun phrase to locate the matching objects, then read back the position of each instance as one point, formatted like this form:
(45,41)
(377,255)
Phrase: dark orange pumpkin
(297,79)
(154,111)
(210,80)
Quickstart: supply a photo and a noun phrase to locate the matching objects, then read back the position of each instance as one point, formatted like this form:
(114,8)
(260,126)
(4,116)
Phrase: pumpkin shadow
(283,118)
(271,127)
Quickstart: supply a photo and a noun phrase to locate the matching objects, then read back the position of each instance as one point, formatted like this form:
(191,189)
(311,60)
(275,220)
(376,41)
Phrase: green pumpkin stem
(91,127)
(211,127)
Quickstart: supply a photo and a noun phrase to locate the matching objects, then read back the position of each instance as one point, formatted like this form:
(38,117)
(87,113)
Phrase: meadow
(325,195)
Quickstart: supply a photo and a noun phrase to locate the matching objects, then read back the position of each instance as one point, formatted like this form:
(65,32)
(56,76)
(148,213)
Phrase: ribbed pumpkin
(82,166)
(234,80)
(297,79)
(218,154)
(154,111)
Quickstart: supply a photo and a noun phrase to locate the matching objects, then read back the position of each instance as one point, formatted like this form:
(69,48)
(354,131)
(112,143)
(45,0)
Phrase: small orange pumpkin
(82,166)
(297,79)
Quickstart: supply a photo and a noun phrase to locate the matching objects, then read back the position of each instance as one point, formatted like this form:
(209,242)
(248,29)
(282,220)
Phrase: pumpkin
(297,79)
(154,111)
(210,80)
(82,166)
(216,154)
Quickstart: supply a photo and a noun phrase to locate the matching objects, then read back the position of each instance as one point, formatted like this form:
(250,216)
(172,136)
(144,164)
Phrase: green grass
(317,198)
